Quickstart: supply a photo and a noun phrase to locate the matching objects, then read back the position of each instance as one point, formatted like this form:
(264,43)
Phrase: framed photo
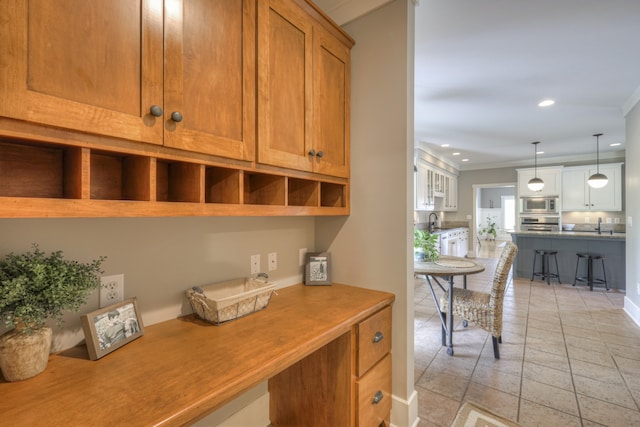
(318,269)
(111,327)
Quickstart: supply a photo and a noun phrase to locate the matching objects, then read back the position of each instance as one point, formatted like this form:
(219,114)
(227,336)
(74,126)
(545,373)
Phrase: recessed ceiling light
(615,144)
(456,153)
(465,160)
(444,145)
(546,103)
(539,152)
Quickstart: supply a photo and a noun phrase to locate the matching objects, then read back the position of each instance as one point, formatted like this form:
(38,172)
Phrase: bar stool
(589,257)
(544,259)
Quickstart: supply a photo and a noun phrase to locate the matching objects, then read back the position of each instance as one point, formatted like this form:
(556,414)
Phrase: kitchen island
(568,243)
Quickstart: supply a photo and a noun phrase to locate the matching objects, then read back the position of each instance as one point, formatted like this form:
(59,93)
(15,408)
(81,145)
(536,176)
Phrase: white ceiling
(482,66)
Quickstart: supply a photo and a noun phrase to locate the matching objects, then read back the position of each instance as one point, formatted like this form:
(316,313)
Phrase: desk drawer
(374,395)
(374,339)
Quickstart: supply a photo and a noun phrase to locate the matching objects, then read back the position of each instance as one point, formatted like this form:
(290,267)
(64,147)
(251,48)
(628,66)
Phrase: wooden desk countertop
(183,369)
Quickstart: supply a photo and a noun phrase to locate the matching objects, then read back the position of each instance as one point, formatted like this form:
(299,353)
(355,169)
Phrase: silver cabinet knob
(176,116)
(156,111)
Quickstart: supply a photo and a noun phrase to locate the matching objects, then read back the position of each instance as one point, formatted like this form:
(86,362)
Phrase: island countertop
(573,234)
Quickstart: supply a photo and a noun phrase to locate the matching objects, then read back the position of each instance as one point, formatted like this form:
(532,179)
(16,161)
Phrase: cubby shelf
(54,180)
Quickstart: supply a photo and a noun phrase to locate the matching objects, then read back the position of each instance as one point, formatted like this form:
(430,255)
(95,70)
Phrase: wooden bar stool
(544,272)
(589,257)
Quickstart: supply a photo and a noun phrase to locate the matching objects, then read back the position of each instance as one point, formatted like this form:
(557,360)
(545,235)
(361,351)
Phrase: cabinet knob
(312,153)
(320,154)
(176,116)
(377,397)
(156,111)
(378,337)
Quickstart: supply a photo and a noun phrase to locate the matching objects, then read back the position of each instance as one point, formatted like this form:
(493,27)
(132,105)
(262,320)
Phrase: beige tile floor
(569,357)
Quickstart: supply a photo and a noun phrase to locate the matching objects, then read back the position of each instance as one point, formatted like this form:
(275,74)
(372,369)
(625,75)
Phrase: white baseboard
(632,310)
(405,412)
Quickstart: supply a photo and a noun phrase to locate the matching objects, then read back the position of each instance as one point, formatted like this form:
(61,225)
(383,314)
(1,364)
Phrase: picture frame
(112,327)
(318,269)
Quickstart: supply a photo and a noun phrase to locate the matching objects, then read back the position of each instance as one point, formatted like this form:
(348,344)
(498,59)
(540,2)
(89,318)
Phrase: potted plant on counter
(33,288)
(426,245)
(490,229)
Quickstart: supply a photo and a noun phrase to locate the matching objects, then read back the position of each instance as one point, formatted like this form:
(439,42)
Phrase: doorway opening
(494,209)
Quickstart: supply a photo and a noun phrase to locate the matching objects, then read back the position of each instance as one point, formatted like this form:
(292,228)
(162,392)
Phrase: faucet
(599,225)
(432,224)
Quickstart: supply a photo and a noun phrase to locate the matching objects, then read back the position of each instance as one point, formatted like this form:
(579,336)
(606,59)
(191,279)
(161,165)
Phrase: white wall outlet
(302,256)
(629,221)
(616,220)
(608,220)
(587,219)
(111,289)
(273,261)
(255,264)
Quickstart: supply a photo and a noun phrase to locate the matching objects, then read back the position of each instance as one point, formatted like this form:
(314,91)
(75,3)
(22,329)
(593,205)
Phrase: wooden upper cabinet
(331,74)
(303,86)
(100,66)
(93,66)
(209,76)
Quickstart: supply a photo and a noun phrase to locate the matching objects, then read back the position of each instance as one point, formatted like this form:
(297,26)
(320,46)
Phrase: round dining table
(446,268)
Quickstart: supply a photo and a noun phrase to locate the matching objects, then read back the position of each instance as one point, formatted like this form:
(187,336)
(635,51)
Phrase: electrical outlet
(587,219)
(302,255)
(111,289)
(616,220)
(608,220)
(273,261)
(255,264)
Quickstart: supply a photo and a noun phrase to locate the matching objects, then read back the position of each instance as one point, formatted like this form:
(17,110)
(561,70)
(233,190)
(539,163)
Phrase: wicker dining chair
(482,308)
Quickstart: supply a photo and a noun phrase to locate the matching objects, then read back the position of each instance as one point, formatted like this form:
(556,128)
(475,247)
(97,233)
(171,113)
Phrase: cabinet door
(551,179)
(284,81)
(88,65)
(209,79)
(609,197)
(575,195)
(331,70)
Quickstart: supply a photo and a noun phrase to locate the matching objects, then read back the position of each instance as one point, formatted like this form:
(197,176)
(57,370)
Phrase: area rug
(472,415)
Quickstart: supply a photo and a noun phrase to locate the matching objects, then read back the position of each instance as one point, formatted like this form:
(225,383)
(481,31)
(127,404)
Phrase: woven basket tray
(231,299)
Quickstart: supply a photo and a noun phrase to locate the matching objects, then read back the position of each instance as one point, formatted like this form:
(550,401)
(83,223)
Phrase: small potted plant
(34,287)
(426,245)
(489,229)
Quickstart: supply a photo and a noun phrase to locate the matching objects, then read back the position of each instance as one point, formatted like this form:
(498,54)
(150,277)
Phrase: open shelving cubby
(56,179)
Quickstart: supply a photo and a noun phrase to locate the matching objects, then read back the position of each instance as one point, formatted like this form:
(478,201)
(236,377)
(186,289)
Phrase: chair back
(501,275)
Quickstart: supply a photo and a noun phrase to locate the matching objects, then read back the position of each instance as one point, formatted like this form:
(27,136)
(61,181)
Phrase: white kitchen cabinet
(454,242)
(551,176)
(577,195)
(424,191)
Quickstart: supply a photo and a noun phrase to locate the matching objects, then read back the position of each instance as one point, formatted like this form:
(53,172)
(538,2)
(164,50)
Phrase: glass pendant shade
(535,183)
(597,180)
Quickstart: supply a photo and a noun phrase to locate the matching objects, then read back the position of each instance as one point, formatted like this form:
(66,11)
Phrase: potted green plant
(489,229)
(426,245)
(33,288)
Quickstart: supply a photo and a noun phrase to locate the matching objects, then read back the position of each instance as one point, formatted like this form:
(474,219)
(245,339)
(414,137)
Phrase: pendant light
(535,183)
(598,180)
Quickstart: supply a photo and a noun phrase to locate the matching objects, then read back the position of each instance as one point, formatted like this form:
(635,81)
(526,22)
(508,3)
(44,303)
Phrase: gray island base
(568,244)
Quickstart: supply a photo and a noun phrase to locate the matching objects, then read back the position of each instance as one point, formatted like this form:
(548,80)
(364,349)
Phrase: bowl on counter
(568,227)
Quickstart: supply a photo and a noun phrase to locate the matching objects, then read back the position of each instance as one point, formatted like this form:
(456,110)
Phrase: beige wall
(162,257)
(632,207)
(371,248)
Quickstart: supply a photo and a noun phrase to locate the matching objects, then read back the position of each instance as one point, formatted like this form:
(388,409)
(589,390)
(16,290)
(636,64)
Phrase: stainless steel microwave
(539,205)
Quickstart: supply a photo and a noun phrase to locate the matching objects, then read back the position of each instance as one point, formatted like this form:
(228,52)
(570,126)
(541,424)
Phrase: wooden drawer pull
(377,397)
(378,337)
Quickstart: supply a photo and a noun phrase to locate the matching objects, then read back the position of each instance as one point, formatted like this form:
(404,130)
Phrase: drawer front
(374,339)
(374,395)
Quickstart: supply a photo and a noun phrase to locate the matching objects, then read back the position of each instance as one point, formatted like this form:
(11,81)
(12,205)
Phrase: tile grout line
(524,350)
